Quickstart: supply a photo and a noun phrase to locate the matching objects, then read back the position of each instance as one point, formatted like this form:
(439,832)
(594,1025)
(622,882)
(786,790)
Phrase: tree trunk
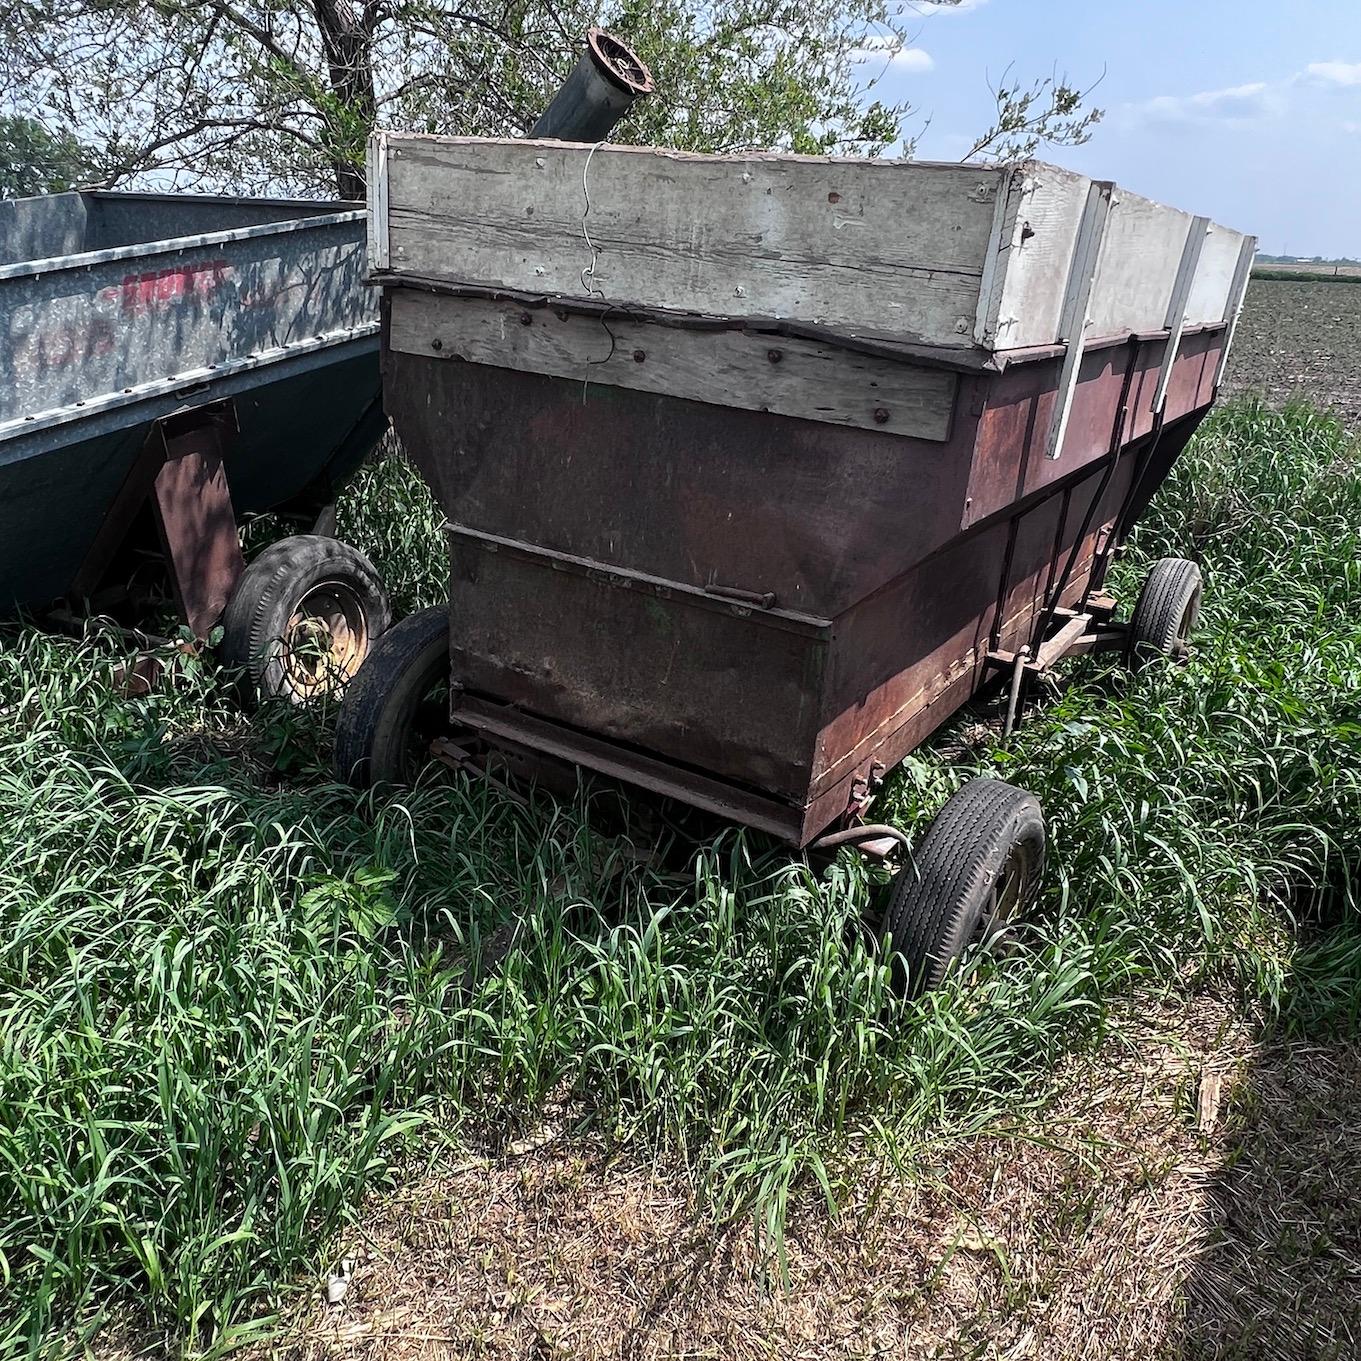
(346,36)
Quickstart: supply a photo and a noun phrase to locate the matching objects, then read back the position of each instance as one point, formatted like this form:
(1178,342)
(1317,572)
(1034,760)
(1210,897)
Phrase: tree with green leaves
(36,161)
(281,94)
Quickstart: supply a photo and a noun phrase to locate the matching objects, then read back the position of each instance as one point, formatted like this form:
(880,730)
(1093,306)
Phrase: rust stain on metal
(193,508)
(878,572)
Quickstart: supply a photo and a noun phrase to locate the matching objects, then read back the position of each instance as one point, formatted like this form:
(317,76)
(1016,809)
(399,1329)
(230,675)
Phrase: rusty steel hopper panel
(749,560)
(621,563)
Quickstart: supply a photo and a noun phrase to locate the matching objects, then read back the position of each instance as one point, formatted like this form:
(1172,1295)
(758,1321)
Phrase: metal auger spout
(604,85)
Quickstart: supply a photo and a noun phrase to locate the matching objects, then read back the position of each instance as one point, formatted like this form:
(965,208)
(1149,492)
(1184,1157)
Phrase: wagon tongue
(604,85)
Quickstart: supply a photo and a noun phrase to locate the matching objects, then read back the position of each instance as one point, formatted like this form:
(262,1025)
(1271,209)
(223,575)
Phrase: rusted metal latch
(764,600)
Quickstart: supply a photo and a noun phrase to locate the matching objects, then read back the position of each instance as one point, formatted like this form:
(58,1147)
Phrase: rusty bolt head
(881,415)
(526,319)
(639,356)
(774,356)
(436,344)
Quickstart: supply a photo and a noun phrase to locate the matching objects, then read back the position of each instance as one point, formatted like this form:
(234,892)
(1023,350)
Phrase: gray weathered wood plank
(791,377)
(1135,277)
(954,256)
(1029,285)
(1139,262)
(878,247)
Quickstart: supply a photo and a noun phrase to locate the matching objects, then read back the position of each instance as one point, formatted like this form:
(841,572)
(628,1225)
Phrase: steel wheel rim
(325,640)
(1186,623)
(1006,897)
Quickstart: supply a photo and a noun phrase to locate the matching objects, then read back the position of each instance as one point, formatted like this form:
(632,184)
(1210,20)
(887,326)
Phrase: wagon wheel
(1165,613)
(304,616)
(396,704)
(977,870)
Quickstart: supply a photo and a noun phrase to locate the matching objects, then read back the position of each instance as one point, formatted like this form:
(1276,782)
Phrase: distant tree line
(1343,262)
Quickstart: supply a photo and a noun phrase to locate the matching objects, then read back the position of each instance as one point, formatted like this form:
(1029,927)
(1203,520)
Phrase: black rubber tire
(1165,613)
(939,902)
(271,591)
(374,730)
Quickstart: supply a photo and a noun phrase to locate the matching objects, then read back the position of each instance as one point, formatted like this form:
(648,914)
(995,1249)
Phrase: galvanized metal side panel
(300,425)
(51,224)
(106,330)
(139,218)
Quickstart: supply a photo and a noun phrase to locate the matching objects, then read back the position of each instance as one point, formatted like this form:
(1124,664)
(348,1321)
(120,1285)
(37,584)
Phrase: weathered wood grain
(943,255)
(1137,272)
(1138,269)
(1212,295)
(878,247)
(1029,287)
(724,367)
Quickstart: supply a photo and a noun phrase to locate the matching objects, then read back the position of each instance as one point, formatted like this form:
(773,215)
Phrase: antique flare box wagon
(758,466)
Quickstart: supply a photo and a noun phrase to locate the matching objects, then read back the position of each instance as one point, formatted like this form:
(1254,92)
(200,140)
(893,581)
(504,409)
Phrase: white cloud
(894,55)
(1236,104)
(912,59)
(927,8)
(1352,129)
(1343,73)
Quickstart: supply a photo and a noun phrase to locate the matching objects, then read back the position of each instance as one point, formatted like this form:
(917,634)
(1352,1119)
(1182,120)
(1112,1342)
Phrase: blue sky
(1248,111)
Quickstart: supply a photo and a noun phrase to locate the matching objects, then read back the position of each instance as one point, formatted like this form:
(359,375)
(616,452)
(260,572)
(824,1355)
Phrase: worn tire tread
(274,582)
(1168,590)
(399,670)
(966,844)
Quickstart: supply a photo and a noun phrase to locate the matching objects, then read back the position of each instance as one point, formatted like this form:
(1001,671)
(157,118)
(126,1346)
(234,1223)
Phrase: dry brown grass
(1280,1274)
(1172,1200)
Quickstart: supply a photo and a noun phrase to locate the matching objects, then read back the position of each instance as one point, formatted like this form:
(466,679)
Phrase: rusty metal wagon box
(758,466)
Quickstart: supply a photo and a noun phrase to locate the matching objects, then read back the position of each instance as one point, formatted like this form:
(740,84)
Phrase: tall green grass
(235,997)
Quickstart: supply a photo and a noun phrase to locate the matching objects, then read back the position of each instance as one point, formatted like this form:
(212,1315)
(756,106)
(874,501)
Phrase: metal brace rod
(1075,318)
(1014,691)
(1176,307)
(379,252)
(1233,308)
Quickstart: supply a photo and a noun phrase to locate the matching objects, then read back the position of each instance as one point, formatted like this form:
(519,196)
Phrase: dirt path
(1188,1193)
(1299,340)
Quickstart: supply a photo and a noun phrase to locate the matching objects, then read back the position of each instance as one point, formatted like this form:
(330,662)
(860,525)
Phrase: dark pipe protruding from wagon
(603,87)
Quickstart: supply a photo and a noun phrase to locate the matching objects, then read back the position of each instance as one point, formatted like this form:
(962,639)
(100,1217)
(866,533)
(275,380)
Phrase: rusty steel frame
(757,614)
(180,474)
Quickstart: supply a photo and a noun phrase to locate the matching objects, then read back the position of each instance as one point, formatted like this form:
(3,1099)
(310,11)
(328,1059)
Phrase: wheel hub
(1008,892)
(325,640)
